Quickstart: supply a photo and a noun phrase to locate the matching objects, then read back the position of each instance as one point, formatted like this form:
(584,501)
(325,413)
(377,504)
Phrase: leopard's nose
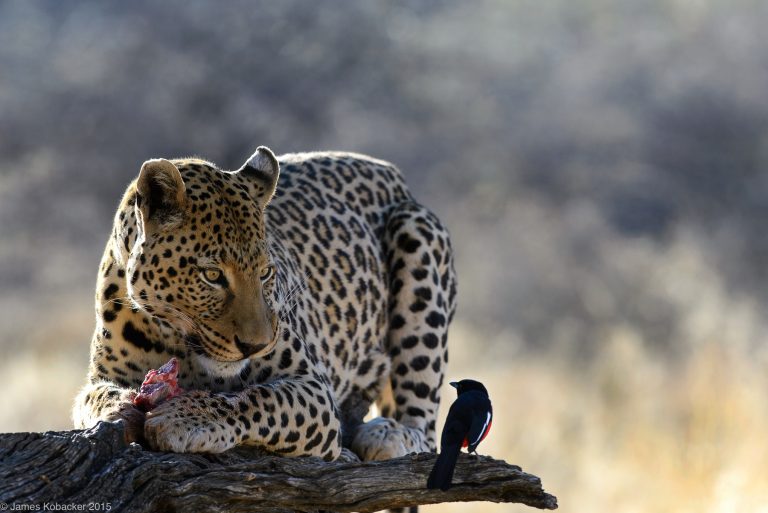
(248,349)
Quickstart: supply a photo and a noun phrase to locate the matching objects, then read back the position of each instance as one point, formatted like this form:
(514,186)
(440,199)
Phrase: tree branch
(90,469)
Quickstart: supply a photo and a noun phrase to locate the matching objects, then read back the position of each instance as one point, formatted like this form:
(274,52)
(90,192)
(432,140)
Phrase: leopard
(300,294)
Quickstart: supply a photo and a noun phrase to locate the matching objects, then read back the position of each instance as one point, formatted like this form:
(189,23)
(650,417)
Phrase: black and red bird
(468,422)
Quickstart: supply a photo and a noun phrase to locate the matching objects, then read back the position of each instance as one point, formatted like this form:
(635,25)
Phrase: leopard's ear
(160,194)
(262,170)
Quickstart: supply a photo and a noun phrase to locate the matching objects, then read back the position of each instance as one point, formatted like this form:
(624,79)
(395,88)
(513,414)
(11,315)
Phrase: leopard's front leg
(104,400)
(294,417)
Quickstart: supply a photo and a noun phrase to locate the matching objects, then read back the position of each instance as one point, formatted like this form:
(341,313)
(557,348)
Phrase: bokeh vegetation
(601,165)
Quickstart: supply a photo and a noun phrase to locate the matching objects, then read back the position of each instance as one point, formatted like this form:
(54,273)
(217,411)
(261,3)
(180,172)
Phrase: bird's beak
(454,384)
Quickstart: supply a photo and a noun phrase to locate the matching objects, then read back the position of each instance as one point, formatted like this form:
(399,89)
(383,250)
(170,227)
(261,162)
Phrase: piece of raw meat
(158,386)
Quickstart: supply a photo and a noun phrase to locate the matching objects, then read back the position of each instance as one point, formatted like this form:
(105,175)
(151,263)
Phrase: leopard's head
(201,261)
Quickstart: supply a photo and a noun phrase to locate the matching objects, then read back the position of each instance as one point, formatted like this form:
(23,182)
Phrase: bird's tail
(442,472)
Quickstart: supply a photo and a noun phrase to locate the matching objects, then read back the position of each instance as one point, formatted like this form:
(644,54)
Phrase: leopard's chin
(219,368)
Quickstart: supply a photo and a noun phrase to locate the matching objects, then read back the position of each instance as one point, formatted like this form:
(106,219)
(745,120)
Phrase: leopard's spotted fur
(291,303)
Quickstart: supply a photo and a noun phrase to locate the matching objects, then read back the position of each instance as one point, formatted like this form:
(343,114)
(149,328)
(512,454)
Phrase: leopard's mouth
(199,348)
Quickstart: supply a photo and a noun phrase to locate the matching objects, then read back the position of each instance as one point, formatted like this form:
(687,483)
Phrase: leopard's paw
(185,424)
(132,419)
(348,456)
(383,438)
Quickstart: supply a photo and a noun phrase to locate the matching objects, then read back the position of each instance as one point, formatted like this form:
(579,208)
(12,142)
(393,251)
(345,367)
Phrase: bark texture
(94,470)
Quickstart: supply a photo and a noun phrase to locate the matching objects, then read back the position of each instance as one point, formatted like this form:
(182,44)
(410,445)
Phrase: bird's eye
(267,273)
(213,276)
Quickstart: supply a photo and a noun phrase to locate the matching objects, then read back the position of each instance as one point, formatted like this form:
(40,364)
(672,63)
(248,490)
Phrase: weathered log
(94,470)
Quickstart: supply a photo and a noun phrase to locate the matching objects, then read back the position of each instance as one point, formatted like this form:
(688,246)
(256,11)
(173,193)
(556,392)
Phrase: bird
(467,424)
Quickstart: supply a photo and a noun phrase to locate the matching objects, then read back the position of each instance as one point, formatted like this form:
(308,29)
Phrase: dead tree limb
(95,470)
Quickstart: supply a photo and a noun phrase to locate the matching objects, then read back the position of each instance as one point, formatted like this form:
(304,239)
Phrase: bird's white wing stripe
(482,431)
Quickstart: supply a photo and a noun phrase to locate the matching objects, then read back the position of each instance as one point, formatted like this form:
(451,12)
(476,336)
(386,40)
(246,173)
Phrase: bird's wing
(478,428)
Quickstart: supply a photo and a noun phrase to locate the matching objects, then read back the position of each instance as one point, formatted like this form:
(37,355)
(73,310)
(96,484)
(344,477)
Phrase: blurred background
(602,166)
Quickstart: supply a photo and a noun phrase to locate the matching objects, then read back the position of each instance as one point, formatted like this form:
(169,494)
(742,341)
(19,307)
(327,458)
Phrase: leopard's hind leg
(422,301)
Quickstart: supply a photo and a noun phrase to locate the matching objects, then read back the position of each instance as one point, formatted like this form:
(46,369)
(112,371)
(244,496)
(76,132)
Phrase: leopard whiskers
(289,299)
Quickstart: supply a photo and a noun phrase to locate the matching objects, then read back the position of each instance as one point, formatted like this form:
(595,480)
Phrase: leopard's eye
(213,276)
(267,273)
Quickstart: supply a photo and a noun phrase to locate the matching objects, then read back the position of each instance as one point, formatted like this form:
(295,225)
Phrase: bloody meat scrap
(158,386)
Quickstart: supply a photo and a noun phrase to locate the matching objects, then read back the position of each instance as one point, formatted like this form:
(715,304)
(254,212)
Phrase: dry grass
(43,362)
(39,391)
